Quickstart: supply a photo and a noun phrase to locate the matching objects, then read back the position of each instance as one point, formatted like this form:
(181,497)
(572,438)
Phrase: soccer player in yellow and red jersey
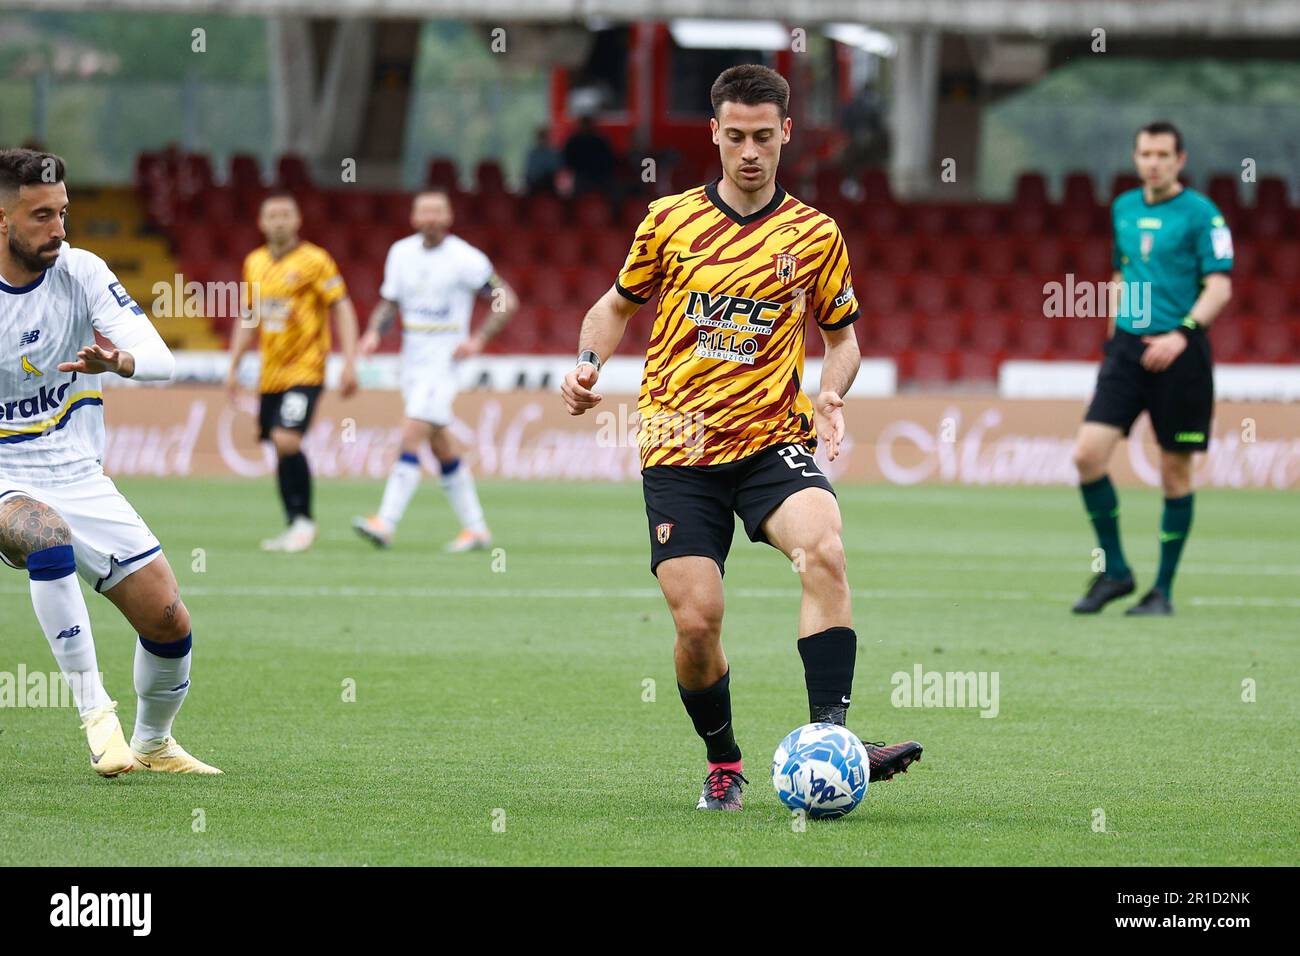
(726,428)
(293,288)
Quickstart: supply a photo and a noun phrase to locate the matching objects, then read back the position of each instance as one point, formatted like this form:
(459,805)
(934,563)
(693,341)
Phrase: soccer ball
(820,769)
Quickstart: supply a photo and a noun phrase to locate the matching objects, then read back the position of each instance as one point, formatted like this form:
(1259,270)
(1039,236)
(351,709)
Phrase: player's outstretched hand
(232,387)
(828,416)
(1162,350)
(578,396)
(93,360)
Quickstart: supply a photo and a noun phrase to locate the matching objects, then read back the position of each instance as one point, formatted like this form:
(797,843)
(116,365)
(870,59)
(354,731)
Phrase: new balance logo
(68,632)
(29,338)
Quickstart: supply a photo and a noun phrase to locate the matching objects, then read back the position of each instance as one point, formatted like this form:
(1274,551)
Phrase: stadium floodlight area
(1218,18)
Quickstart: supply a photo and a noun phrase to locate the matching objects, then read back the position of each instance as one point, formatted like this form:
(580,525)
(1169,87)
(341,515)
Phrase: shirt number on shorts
(293,408)
(792,454)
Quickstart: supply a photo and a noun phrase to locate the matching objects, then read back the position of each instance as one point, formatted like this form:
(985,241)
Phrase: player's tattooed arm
(27,526)
(382,317)
(504,306)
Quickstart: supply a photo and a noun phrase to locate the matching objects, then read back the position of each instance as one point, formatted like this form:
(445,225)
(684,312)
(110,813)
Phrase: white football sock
(403,480)
(161,684)
(459,485)
(61,610)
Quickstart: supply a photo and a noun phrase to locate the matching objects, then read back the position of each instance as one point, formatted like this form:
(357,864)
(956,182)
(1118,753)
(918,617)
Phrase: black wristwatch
(1188,326)
(590,358)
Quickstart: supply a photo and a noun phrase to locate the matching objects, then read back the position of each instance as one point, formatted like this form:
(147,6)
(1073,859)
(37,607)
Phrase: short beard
(30,261)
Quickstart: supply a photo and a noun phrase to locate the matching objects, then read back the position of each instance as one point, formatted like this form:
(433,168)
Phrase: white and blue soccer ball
(821,769)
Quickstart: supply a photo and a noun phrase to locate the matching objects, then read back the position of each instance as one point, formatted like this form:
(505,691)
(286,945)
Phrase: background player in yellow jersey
(726,428)
(294,288)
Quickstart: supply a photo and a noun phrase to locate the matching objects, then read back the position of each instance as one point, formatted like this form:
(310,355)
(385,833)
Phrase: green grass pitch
(500,714)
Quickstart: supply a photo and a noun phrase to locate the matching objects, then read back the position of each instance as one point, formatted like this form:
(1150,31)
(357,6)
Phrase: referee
(1172,257)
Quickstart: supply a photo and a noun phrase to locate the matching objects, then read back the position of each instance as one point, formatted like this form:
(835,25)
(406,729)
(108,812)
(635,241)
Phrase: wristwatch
(1187,326)
(590,358)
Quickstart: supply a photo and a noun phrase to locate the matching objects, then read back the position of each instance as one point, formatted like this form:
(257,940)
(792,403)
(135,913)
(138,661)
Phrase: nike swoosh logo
(145,764)
(682,258)
(844,700)
(710,733)
(1167,536)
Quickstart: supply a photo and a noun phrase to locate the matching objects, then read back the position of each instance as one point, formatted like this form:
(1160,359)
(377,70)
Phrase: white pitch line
(578,594)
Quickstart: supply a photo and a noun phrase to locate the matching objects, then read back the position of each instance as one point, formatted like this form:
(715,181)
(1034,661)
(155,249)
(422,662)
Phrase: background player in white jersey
(59,512)
(433,278)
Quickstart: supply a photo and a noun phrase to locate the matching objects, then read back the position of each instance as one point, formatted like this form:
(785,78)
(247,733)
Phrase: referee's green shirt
(1164,251)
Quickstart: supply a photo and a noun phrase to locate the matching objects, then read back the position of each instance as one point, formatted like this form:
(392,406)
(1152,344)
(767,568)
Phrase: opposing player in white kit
(59,513)
(433,278)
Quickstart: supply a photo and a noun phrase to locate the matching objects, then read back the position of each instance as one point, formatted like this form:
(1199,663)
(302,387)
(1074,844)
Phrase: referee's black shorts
(1180,400)
(692,508)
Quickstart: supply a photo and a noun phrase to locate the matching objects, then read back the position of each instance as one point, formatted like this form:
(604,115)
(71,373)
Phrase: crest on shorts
(786,266)
(662,531)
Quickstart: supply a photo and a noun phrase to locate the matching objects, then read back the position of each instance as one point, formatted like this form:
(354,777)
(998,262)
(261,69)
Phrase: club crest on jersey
(663,532)
(786,266)
(30,369)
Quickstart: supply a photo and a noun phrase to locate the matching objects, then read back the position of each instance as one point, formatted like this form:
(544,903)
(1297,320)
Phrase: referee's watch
(1187,326)
(590,358)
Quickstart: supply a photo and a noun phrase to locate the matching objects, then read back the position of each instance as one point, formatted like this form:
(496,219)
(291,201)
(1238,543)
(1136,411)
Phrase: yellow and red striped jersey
(725,358)
(291,298)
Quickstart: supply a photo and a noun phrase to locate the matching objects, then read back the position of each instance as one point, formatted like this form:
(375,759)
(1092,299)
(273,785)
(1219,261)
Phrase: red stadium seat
(352,207)
(1283,259)
(881,293)
(1046,257)
(875,187)
(930,220)
(245,172)
(1028,221)
(1083,338)
(1228,339)
(998,257)
(441,173)
(942,333)
(488,178)
(1271,299)
(498,209)
(882,219)
(981,219)
(1089,259)
(1036,336)
(990,334)
(546,212)
(1031,191)
(1222,191)
(1271,193)
(932,368)
(1123,183)
(894,333)
(291,173)
(560,247)
(1271,342)
(979,294)
(899,254)
(591,211)
(1079,192)
(930,294)
(977,367)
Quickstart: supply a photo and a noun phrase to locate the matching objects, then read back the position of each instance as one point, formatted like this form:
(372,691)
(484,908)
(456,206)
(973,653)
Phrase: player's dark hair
(1162,126)
(750,84)
(29,167)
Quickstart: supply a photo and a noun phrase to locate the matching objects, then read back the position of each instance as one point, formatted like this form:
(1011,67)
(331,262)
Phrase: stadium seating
(950,289)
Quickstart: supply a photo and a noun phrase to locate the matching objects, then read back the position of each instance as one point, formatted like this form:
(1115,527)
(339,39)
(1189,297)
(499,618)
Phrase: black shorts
(691,508)
(1180,400)
(291,409)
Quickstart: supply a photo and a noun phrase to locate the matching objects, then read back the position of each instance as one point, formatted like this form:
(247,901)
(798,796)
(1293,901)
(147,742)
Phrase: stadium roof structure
(1215,18)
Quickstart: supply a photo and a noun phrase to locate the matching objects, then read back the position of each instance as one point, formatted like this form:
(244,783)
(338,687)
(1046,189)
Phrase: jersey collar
(778,197)
(20,289)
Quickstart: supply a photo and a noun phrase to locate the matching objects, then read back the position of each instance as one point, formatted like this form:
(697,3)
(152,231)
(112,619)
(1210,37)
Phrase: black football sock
(710,711)
(828,658)
(1175,524)
(295,486)
(1102,505)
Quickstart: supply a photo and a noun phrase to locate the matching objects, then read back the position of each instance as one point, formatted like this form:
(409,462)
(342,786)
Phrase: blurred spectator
(541,165)
(863,119)
(591,159)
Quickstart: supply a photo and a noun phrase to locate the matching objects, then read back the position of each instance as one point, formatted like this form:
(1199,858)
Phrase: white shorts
(110,541)
(428,391)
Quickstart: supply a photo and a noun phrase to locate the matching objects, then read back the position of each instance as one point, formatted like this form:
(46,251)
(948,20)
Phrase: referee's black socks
(828,658)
